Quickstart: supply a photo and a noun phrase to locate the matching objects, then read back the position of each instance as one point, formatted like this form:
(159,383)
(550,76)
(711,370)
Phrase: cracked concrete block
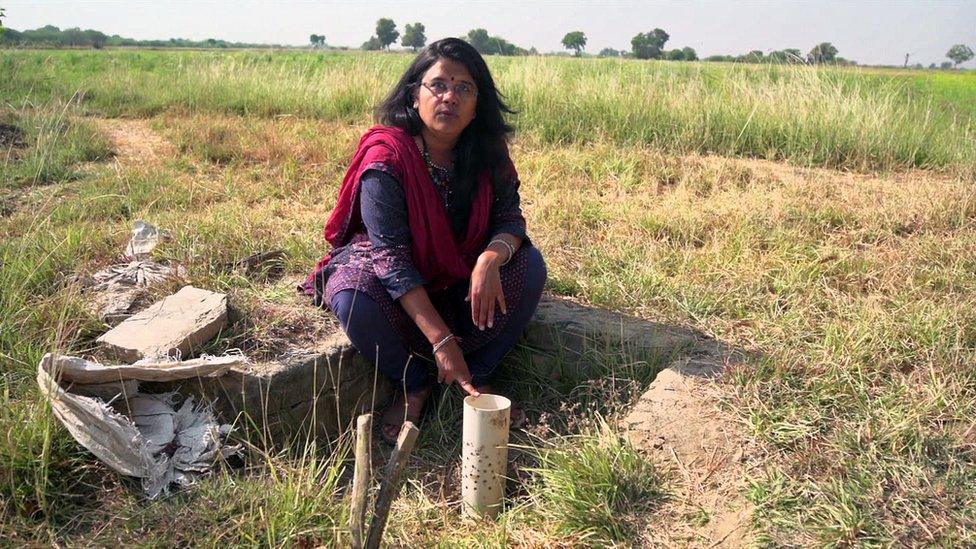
(176,324)
(316,392)
(320,391)
(568,339)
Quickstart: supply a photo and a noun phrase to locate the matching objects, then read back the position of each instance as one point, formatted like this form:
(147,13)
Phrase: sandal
(393,416)
(516,414)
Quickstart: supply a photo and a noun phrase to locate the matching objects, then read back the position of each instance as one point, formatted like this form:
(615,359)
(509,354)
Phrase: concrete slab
(179,323)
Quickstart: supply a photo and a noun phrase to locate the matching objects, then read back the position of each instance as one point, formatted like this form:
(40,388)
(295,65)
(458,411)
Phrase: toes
(390,432)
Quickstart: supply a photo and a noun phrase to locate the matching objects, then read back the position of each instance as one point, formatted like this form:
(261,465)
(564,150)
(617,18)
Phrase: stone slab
(177,324)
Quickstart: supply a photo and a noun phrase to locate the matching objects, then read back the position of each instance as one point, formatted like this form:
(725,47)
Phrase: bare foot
(409,408)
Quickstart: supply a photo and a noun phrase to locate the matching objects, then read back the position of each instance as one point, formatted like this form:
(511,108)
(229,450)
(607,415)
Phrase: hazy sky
(871,32)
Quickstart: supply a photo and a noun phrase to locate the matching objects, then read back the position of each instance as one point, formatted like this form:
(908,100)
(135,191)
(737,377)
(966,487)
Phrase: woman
(429,254)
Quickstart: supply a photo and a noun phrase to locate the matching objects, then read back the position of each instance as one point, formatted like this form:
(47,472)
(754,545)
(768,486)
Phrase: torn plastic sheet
(145,237)
(138,434)
(134,274)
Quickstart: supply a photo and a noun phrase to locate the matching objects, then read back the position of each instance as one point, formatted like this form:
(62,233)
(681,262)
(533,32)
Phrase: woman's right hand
(452,367)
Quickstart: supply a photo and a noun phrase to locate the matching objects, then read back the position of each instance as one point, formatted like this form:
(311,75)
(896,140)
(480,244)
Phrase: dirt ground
(134,141)
(680,422)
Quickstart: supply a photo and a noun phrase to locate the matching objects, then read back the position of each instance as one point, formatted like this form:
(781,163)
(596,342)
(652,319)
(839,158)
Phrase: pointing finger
(469,388)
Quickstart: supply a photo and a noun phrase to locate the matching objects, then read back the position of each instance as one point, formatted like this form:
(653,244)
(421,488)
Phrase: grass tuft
(597,486)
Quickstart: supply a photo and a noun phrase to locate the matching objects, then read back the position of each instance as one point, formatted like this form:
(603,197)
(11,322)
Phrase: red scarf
(437,255)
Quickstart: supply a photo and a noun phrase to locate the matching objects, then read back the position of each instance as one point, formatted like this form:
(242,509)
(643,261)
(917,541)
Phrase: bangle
(441,343)
(511,249)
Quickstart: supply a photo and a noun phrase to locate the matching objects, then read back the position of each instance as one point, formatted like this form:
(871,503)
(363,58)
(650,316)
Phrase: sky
(870,32)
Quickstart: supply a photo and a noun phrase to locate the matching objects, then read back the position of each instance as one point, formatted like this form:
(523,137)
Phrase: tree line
(414,37)
(645,45)
(54,37)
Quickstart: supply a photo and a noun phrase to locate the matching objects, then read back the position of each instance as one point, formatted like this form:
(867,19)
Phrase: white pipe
(484,454)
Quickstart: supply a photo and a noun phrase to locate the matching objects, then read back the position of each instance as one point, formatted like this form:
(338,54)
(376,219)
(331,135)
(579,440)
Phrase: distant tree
(212,42)
(960,53)
(504,47)
(492,45)
(793,55)
(2,15)
(72,37)
(755,56)
(576,41)
(373,44)
(386,32)
(609,52)
(945,65)
(674,55)
(413,36)
(95,38)
(480,40)
(824,52)
(649,45)
(690,54)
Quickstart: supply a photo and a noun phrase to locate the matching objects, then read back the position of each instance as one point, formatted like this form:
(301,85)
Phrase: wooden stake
(360,480)
(391,483)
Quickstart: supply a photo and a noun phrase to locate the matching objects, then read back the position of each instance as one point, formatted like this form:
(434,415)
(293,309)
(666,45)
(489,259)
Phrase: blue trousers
(374,337)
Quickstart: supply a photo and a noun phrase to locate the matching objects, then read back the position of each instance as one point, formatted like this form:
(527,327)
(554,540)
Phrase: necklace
(426,154)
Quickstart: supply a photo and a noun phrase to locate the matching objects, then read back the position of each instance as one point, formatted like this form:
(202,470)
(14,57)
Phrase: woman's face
(448,114)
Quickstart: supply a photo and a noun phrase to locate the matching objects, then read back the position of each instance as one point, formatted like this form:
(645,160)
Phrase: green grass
(820,117)
(56,146)
(854,291)
(597,487)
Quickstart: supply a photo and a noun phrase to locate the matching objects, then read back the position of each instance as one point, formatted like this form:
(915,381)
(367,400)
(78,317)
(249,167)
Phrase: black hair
(482,145)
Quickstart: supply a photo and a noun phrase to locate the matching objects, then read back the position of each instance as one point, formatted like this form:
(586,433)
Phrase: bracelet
(511,249)
(441,343)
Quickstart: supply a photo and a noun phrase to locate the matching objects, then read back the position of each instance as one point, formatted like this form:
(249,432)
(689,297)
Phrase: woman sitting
(430,259)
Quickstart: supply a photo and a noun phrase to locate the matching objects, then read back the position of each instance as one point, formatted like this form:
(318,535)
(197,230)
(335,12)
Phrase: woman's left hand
(485,290)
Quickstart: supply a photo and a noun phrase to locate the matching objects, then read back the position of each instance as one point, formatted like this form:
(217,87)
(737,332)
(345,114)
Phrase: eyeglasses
(462,91)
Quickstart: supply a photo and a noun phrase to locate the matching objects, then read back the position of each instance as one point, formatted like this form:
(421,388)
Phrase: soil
(12,137)
(134,142)
(679,422)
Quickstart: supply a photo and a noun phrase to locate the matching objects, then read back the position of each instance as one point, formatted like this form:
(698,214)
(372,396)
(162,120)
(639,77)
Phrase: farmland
(823,220)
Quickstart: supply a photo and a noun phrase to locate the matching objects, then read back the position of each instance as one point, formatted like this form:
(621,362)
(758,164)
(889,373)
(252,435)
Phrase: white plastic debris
(135,274)
(138,434)
(79,370)
(145,237)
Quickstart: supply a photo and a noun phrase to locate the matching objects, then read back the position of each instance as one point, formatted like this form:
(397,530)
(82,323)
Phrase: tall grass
(54,145)
(44,473)
(810,116)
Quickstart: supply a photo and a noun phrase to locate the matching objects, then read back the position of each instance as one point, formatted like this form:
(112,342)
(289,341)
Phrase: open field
(822,220)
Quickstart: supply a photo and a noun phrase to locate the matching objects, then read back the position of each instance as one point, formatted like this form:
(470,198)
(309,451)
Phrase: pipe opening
(488,403)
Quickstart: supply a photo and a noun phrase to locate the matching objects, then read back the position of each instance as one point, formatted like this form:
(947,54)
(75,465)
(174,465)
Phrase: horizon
(925,31)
